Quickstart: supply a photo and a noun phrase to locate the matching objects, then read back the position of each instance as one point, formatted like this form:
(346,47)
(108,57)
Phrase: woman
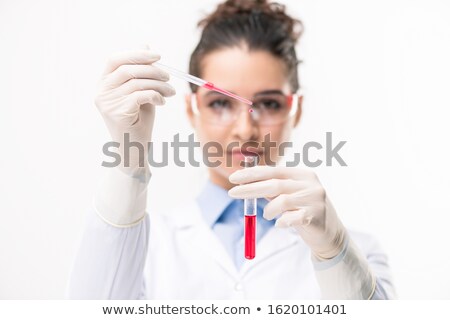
(304,251)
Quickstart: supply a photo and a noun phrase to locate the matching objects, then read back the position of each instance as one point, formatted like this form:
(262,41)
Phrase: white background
(375,73)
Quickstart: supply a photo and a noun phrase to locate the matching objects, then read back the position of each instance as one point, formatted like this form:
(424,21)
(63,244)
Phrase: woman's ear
(189,111)
(298,114)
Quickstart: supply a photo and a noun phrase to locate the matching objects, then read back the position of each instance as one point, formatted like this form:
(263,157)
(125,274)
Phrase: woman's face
(251,75)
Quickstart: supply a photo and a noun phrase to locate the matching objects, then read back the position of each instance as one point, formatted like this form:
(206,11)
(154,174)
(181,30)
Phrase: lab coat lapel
(195,232)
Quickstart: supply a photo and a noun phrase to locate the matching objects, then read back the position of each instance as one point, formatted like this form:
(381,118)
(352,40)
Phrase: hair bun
(273,10)
(242,6)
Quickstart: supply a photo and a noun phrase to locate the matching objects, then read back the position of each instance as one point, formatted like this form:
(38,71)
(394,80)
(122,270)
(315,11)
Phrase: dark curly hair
(257,23)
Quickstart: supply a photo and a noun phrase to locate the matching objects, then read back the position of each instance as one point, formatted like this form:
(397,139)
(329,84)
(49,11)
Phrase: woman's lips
(245,153)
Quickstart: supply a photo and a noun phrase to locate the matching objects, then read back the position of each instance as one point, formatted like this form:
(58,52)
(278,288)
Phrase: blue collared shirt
(225,216)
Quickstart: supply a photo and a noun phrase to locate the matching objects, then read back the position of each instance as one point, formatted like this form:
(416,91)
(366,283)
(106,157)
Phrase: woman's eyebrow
(265,92)
(212,93)
(268,92)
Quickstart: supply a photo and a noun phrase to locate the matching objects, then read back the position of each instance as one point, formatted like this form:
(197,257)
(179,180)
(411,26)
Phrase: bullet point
(259,309)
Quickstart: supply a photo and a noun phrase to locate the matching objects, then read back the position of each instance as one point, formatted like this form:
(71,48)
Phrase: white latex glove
(297,195)
(127,94)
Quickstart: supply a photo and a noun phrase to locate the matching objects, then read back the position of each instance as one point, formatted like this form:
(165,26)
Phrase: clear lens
(267,109)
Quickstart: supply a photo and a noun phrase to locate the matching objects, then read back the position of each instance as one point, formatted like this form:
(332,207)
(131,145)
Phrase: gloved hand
(127,94)
(301,200)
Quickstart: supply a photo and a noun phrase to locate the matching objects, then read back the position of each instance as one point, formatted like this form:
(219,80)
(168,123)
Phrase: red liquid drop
(250,236)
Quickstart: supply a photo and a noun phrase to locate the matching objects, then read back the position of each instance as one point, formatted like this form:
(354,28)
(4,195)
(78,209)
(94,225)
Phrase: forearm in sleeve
(112,253)
(110,261)
(351,275)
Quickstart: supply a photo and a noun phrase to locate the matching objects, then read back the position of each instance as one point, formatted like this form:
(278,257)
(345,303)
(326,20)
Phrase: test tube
(250,210)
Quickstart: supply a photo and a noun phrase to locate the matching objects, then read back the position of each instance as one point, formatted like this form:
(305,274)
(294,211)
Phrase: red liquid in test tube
(250,237)
(250,210)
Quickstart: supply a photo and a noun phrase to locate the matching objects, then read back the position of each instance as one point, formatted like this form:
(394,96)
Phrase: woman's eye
(219,104)
(269,104)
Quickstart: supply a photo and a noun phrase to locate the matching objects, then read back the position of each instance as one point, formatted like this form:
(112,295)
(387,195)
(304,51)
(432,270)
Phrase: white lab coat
(176,255)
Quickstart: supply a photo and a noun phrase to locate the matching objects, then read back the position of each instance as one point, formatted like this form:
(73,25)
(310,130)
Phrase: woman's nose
(245,127)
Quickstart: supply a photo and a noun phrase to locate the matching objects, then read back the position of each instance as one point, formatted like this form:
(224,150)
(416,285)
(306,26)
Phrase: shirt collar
(213,200)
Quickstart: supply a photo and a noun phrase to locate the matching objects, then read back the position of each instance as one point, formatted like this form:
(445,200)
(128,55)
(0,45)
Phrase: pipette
(250,210)
(200,82)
